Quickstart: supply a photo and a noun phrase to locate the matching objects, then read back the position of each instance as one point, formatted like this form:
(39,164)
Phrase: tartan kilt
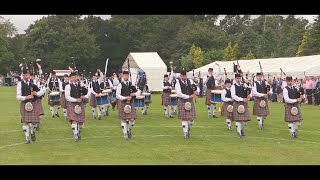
(241,117)
(166,100)
(41,111)
(63,101)
(259,111)
(125,116)
(93,101)
(80,118)
(208,97)
(183,114)
(224,111)
(53,103)
(32,116)
(288,117)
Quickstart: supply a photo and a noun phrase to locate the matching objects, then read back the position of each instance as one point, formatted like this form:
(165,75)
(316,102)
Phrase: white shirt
(118,92)
(180,94)
(215,76)
(233,93)
(286,97)
(255,92)
(115,83)
(23,98)
(223,96)
(284,84)
(60,86)
(68,92)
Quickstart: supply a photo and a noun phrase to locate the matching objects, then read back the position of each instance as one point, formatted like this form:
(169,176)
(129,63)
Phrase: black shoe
(293,135)
(94,117)
(99,117)
(27,142)
(57,115)
(126,136)
(53,116)
(229,128)
(38,128)
(239,135)
(107,113)
(33,137)
(76,139)
(214,116)
(79,136)
(261,126)
(242,133)
(186,136)
(171,116)
(146,113)
(129,134)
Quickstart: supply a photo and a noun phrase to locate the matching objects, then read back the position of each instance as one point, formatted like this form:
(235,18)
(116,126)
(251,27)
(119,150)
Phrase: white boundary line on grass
(164,135)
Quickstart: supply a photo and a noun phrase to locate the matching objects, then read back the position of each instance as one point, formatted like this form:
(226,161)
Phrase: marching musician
(115,81)
(209,82)
(292,113)
(63,101)
(240,105)
(30,110)
(53,84)
(166,101)
(127,112)
(95,90)
(75,104)
(227,110)
(186,91)
(104,85)
(260,92)
(84,87)
(146,89)
(38,99)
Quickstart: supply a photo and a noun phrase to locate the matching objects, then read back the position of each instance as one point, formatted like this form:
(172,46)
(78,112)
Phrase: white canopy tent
(151,64)
(294,66)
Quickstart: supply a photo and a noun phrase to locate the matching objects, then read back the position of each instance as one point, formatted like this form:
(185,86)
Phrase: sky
(22,22)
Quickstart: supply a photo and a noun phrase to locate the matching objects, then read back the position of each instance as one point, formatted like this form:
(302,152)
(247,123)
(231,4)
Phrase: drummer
(53,84)
(95,91)
(106,85)
(166,101)
(147,91)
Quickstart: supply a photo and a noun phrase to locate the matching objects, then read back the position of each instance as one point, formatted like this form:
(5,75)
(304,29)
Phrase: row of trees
(190,41)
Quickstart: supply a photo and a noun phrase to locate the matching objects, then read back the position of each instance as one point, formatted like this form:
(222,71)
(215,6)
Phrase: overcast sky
(23,21)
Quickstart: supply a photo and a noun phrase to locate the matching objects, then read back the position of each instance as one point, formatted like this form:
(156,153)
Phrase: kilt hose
(63,101)
(166,100)
(51,103)
(260,111)
(241,117)
(208,97)
(224,112)
(288,117)
(183,114)
(124,116)
(93,100)
(72,116)
(30,116)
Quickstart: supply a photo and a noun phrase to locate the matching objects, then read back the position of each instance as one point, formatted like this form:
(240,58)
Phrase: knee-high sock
(214,111)
(228,122)
(94,112)
(190,124)
(296,125)
(130,125)
(26,131)
(165,110)
(75,130)
(57,109)
(239,126)
(124,127)
(260,120)
(64,112)
(291,127)
(99,110)
(52,110)
(170,110)
(243,123)
(209,109)
(33,127)
(185,126)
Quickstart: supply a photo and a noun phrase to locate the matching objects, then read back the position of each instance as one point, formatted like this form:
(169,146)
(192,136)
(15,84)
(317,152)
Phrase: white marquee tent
(294,66)
(151,64)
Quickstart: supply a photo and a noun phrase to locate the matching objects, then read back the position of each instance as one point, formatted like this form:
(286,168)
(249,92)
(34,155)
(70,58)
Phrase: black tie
(127,83)
(185,82)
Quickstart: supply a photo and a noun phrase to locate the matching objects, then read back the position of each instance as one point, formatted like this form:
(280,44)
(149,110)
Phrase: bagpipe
(237,70)
(267,87)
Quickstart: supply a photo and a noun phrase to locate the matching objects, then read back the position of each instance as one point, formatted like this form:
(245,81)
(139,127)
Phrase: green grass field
(158,141)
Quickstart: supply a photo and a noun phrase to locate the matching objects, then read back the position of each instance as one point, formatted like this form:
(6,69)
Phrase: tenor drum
(106,91)
(54,96)
(174,99)
(216,96)
(138,101)
(103,99)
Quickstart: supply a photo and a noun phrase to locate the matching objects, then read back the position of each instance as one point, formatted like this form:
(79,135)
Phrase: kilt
(183,114)
(38,103)
(80,118)
(166,100)
(63,101)
(259,111)
(53,103)
(208,97)
(224,111)
(241,117)
(93,101)
(125,116)
(32,116)
(288,117)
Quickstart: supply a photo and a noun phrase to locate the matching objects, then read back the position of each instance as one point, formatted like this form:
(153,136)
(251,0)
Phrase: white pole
(105,69)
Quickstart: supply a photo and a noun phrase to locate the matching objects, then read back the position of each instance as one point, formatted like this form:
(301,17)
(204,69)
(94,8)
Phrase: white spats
(214,112)
(64,112)
(26,131)
(239,127)
(209,110)
(124,127)
(99,110)
(291,127)
(52,111)
(260,121)
(170,110)
(130,124)
(185,126)
(33,128)
(57,110)
(228,121)
(74,128)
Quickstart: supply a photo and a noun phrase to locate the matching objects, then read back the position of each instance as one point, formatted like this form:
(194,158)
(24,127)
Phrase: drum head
(77,109)
(187,106)
(241,109)
(262,104)
(140,97)
(146,94)
(230,108)
(127,109)
(55,93)
(294,111)
(173,95)
(28,107)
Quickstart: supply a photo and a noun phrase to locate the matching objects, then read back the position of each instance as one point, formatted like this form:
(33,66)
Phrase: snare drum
(106,91)
(216,96)
(138,101)
(103,99)
(147,97)
(54,96)
(174,99)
